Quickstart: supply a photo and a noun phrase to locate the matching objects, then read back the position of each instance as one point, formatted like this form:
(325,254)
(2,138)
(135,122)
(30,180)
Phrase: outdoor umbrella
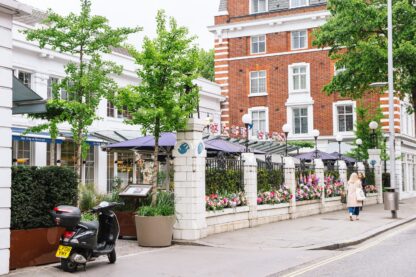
(345,158)
(311,156)
(222,145)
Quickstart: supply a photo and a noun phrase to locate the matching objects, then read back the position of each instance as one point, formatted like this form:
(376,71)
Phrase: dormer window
(298,3)
(259,6)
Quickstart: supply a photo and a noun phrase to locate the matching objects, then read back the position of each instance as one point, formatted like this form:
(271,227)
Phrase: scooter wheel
(112,257)
(68,266)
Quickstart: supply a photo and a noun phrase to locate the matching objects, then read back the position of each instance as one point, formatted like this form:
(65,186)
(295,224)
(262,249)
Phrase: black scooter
(85,241)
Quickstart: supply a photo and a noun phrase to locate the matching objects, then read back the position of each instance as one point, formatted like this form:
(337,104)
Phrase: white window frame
(259,93)
(291,118)
(32,74)
(335,117)
(259,109)
(292,45)
(339,70)
(251,44)
(308,78)
(253,12)
(292,6)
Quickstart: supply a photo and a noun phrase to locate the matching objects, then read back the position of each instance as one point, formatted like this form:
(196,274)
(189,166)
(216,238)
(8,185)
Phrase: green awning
(25,100)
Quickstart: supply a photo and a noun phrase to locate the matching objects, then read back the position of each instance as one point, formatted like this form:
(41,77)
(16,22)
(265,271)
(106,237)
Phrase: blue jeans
(354,210)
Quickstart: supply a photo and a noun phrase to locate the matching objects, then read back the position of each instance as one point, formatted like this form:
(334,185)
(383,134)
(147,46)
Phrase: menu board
(137,190)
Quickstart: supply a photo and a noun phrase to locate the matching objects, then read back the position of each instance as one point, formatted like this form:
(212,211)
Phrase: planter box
(307,202)
(154,231)
(34,247)
(127,224)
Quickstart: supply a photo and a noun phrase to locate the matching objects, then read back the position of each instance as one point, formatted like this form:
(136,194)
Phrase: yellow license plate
(63,251)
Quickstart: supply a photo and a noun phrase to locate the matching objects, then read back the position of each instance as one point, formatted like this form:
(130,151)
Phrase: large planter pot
(34,247)
(154,231)
(127,224)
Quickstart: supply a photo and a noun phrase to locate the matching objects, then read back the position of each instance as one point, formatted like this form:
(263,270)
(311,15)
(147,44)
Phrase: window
(259,121)
(111,112)
(299,78)
(259,6)
(89,166)
(299,39)
(345,118)
(300,120)
(25,78)
(258,82)
(258,44)
(298,3)
(51,82)
(49,154)
(22,151)
(68,156)
(339,70)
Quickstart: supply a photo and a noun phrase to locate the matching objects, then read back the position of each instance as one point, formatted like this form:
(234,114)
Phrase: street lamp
(339,140)
(359,142)
(247,120)
(316,134)
(286,129)
(373,126)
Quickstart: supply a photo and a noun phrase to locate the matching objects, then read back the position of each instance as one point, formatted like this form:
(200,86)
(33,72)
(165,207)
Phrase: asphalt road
(391,255)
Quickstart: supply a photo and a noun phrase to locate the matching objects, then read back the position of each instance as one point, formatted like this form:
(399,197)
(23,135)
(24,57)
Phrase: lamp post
(373,126)
(359,142)
(316,134)
(339,140)
(286,129)
(247,120)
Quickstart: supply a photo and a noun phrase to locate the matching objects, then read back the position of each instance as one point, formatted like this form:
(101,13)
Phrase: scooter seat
(90,225)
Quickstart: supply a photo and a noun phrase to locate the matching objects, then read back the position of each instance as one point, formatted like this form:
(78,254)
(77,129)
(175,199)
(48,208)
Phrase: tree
(356,33)
(166,96)
(206,64)
(88,80)
(363,131)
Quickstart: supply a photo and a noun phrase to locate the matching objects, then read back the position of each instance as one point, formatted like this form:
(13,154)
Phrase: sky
(194,14)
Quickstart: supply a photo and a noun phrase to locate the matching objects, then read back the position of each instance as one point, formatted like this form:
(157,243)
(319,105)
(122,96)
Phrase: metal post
(391,101)
(316,147)
(247,138)
(339,150)
(286,134)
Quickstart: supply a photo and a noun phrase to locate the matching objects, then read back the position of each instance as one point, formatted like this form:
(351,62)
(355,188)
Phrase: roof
(38,16)
(223,6)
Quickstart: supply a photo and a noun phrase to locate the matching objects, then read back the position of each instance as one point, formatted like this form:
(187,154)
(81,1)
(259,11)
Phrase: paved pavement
(259,251)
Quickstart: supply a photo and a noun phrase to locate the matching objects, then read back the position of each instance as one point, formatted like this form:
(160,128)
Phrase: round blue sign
(183,148)
(200,148)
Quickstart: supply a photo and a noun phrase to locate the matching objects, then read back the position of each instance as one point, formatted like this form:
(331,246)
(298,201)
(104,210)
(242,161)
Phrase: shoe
(351,218)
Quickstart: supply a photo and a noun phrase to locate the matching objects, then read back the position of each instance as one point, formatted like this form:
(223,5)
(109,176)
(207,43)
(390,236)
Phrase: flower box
(241,209)
(272,206)
(307,202)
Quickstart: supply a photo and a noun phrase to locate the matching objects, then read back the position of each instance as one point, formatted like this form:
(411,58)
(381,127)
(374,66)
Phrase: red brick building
(266,66)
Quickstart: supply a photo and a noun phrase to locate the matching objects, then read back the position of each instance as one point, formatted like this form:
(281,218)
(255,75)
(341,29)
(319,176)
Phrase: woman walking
(353,204)
(361,176)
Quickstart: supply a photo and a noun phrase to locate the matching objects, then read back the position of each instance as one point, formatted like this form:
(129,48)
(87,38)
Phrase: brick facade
(234,62)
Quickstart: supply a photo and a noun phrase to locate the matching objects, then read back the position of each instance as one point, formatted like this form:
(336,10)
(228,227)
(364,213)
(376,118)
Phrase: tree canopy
(87,80)
(356,34)
(206,64)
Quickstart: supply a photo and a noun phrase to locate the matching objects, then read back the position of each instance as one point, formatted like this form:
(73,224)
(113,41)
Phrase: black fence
(224,175)
(270,175)
(304,169)
(370,177)
(351,168)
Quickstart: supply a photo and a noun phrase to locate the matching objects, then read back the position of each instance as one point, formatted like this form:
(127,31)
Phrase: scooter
(85,241)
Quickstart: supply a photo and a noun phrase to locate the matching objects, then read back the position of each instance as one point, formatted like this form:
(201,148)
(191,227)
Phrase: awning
(25,100)
(91,139)
(17,135)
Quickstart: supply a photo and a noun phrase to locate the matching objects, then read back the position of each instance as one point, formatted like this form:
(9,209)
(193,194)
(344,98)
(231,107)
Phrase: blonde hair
(354,178)
(362,174)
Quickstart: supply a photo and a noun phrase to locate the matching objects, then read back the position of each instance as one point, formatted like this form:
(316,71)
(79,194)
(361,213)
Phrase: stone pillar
(290,181)
(320,174)
(360,167)
(189,164)
(375,162)
(342,168)
(250,185)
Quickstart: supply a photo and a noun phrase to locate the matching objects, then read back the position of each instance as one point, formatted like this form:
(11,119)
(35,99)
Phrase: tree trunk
(414,102)
(155,170)
(52,154)
(79,161)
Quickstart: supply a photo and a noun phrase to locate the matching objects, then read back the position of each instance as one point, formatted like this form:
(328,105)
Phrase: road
(391,254)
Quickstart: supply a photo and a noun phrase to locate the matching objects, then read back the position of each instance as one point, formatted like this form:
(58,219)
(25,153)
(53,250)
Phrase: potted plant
(154,223)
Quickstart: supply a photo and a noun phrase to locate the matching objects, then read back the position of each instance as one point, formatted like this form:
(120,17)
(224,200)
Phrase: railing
(270,175)
(370,176)
(224,175)
(304,169)
(332,169)
(351,169)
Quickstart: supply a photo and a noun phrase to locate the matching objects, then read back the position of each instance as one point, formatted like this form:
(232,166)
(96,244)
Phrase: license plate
(63,251)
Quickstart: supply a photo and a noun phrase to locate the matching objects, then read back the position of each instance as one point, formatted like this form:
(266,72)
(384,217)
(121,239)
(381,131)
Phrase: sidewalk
(323,231)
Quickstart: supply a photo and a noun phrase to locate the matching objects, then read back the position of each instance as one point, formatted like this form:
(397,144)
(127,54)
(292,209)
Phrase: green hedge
(36,191)
(223,181)
(269,180)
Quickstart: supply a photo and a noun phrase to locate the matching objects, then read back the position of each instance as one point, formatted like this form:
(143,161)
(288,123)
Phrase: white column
(342,168)
(290,181)
(101,168)
(116,166)
(250,185)
(189,163)
(360,167)
(320,174)
(5,137)
(40,153)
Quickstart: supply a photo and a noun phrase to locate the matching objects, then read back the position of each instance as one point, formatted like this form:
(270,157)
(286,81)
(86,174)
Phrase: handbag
(344,198)
(360,194)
